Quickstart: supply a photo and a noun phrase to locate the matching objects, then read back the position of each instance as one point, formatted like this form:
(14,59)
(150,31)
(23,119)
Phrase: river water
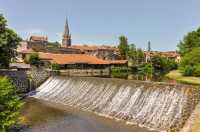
(43,116)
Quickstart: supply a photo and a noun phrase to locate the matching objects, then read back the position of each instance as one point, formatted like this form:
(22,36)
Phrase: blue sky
(163,22)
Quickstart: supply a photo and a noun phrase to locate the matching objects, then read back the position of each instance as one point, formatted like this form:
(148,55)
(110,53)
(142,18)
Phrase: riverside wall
(86,72)
(26,81)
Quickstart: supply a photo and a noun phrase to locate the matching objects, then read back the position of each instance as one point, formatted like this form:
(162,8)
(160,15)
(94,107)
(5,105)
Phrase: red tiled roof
(85,47)
(169,54)
(93,48)
(38,38)
(71,58)
(118,61)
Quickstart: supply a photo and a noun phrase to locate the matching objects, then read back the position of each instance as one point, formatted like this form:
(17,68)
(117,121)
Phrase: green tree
(140,56)
(190,41)
(123,46)
(158,62)
(132,53)
(9,41)
(146,69)
(55,67)
(171,64)
(33,59)
(190,63)
(163,64)
(9,104)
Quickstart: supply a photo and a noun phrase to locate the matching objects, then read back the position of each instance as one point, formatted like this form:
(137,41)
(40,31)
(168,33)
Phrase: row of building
(75,56)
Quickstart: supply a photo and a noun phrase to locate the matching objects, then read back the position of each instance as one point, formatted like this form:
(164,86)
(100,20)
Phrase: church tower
(66,40)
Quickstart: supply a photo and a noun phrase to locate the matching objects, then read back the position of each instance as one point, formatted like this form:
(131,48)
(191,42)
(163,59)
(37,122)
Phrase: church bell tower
(66,40)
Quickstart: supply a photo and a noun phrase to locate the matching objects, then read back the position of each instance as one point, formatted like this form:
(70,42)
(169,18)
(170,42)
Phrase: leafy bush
(120,72)
(33,59)
(9,104)
(146,69)
(190,63)
(197,70)
(188,71)
(163,64)
(55,67)
(158,62)
(173,65)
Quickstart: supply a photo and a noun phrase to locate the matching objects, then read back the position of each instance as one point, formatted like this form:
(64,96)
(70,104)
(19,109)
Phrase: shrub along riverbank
(176,75)
(119,72)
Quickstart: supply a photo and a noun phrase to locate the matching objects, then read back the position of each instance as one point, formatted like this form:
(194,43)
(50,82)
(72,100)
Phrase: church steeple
(66,41)
(66,31)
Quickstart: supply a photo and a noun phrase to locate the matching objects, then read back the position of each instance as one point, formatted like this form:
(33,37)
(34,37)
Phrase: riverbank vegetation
(190,63)
(179,77)
(140,64)
(55,68)
(189,68)
(189,48)
(10,104)
(119,72)
(33,59)
(9,101)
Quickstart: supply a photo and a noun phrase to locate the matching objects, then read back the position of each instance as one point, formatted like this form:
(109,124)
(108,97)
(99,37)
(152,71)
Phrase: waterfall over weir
(155,105)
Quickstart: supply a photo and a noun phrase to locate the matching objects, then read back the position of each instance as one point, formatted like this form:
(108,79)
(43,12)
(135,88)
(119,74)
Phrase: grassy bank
(176,75)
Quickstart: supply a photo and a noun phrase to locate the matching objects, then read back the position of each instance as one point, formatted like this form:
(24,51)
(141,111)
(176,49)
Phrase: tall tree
(190,41)
(132,53)
(190,63)
(123,46)
(9,104)
(9,41)
(140,56)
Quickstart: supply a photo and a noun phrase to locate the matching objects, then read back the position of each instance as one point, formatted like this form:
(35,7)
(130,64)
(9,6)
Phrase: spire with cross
(66,31)
(66,41)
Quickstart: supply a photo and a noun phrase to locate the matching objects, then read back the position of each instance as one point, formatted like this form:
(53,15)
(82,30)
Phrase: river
(43,116)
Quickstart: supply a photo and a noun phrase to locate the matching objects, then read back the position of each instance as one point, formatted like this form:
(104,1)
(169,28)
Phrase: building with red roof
(39,39)
(78,61)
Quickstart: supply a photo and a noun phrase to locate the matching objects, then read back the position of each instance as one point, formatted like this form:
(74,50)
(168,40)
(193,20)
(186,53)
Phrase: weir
(159,106)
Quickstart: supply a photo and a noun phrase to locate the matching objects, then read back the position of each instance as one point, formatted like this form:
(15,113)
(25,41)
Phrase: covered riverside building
(74,61)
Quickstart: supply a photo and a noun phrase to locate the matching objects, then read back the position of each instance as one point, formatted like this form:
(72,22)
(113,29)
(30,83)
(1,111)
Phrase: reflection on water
(156,77)
(43,116)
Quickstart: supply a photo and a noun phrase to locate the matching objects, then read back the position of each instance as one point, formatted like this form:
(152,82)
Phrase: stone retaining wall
(86,72)
(26,81)
(37,76)
(19,78)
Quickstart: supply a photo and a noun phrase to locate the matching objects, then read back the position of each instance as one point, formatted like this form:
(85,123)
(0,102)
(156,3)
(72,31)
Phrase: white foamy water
(153,105)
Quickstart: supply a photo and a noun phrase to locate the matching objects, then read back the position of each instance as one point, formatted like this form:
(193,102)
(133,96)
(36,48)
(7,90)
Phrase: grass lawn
(176,75)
